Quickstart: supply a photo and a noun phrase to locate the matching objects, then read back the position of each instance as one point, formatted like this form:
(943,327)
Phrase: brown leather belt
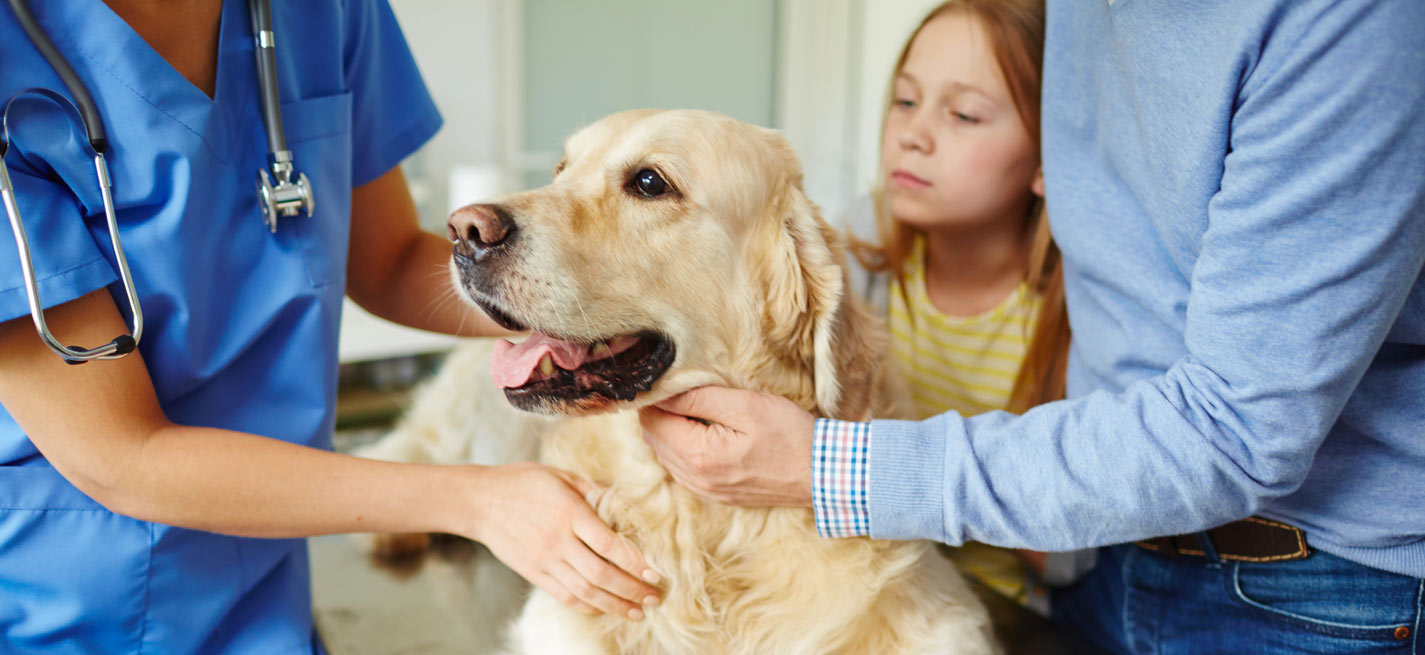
(1252,539)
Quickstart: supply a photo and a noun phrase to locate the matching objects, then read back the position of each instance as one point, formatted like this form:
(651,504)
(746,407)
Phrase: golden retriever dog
(675,249)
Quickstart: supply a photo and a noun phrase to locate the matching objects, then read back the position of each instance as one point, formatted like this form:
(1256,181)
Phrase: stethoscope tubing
(260,12)
(88,111)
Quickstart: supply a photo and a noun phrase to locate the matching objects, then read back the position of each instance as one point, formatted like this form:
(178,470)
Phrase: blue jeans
(1142,603)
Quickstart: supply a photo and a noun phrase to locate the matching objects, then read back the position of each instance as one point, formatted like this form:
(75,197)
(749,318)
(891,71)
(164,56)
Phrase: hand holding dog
(734,446)
(536,520)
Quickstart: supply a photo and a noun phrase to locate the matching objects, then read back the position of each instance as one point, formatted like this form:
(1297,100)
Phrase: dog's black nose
(478,230)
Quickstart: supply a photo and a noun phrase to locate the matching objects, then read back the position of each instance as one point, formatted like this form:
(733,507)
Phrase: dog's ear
(810,315)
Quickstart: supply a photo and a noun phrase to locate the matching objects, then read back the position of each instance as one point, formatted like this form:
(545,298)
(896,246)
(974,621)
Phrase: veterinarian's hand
(733,446)
(537,521)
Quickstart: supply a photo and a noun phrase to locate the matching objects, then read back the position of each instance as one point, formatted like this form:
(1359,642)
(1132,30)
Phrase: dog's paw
(392,546)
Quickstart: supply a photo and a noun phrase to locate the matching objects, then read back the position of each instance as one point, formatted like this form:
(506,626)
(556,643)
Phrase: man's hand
(735,447)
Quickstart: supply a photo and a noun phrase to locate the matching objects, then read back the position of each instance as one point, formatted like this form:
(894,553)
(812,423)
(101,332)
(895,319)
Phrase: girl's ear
(1037,186)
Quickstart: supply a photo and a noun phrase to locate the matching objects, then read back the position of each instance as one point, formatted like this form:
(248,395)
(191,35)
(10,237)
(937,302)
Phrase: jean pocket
(1331,596)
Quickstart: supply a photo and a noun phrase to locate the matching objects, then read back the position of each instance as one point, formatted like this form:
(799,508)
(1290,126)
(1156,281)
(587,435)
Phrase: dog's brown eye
(649,183)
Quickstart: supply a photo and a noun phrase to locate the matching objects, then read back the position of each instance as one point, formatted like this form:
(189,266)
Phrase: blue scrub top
(240,324)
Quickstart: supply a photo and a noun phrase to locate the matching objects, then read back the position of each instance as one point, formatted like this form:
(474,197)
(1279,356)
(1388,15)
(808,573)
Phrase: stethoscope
(287,197)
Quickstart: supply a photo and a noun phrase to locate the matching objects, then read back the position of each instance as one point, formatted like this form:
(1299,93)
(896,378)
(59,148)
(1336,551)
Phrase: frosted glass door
(584,59)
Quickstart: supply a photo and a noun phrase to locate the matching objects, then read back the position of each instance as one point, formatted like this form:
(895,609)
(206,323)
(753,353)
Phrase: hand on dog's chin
(733,446)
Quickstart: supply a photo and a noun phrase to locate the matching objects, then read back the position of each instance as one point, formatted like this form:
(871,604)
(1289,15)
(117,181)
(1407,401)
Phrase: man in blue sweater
(1238,190)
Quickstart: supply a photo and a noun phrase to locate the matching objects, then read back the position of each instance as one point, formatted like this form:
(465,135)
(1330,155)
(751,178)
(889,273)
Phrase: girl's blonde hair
(1016,35)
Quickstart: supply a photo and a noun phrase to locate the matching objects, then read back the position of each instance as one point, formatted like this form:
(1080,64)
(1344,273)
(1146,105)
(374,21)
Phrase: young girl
(959,255)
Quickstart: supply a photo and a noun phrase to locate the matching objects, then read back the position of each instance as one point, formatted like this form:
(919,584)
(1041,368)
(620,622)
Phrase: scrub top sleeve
(391,109)
(68,262)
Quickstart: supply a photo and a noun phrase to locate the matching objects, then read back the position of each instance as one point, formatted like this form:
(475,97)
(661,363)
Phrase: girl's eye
(964,118)
(905,103)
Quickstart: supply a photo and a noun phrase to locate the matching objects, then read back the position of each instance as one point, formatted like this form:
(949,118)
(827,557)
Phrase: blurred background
(514,78)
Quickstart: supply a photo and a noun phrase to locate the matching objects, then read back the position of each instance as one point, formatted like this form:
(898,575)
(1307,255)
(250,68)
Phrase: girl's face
(955,152)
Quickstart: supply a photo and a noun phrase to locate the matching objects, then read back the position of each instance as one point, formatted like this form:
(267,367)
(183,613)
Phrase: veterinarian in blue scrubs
(240,334)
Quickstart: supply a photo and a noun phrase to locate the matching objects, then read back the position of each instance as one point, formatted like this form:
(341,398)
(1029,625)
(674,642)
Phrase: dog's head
(672,249)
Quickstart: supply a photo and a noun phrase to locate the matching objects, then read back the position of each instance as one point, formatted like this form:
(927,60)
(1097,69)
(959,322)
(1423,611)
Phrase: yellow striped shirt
(967,364)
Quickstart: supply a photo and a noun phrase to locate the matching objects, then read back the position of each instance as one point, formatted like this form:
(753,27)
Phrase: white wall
(830,71)
(459,47)
(818,55)
(834,59)
(886,26)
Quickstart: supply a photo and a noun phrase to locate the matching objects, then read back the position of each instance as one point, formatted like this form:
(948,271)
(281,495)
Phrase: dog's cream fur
(739,271)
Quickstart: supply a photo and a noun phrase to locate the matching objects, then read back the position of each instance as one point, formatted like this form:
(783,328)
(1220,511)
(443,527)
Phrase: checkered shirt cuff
(839,474)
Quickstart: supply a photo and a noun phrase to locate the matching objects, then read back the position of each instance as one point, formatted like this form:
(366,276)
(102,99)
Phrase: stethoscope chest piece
(286,192)
(287,197)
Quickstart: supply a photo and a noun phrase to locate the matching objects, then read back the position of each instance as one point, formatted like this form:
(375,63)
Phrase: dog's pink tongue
(513,364)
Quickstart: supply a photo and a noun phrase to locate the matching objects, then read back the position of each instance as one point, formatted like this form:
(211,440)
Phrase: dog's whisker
(587,324)
(613,357)
(442,302)
(445,298)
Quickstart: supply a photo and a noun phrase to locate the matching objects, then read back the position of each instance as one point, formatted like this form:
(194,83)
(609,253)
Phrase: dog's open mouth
(546,373)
